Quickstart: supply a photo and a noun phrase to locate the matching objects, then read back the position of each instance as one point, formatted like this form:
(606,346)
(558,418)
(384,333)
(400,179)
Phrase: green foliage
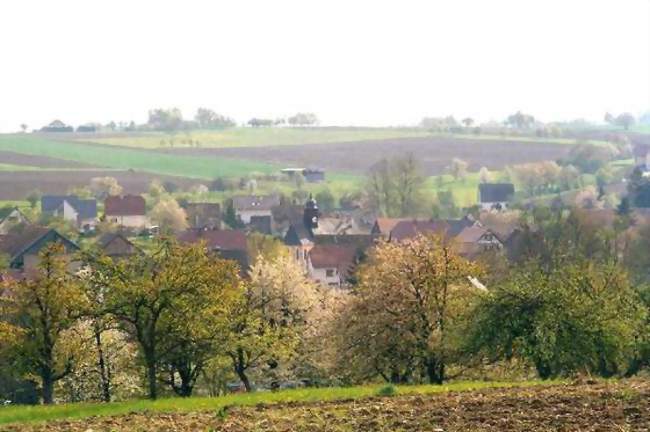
(638,189)
(575,317)
(37,315)
(124,158)
(230,218)
(172,303)
(326,201)
(387,390)
(394,188)
(590,158)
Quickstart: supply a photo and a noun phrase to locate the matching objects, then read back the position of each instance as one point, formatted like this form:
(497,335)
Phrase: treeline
(571,297)
(172,120)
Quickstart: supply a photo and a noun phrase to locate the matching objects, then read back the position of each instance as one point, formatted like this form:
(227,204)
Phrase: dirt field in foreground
(597,407)
(434,153)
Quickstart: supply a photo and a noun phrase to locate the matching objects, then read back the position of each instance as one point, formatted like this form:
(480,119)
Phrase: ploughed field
(16,185)
(13,158)
(434,153)
(601,406)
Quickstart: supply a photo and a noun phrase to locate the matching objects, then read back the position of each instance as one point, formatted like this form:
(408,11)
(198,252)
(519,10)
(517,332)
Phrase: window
(329,272)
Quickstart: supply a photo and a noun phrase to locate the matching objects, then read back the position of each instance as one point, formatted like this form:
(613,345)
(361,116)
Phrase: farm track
(434,153)
(615,406)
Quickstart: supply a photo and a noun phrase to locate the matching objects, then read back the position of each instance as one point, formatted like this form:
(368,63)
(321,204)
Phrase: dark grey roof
(87,208)
(495,192)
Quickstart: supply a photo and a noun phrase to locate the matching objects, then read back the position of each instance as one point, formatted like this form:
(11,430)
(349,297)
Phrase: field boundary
(40,413)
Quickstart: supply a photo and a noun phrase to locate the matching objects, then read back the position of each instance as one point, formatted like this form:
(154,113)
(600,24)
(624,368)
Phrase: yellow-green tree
(168,302)
(269,320)
(403,317)
(37,312)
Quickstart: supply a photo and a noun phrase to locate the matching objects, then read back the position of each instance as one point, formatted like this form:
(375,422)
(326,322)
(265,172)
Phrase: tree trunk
(435,370)
(103,372)
(48,388)
(187,382)
(151,376)
(240,369)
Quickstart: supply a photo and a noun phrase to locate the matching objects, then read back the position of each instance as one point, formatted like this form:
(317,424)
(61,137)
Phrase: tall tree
(403,319)
(267,323)
(147,294)
(38,312)
(574,316)
(394,187)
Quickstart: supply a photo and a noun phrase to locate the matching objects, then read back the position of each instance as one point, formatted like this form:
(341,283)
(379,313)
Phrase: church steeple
(311,213)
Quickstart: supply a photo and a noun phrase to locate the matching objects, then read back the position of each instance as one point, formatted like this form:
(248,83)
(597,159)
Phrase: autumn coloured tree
(403,320)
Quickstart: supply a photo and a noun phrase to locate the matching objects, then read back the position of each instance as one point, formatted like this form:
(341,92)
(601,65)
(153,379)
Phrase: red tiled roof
(332,256)
(128,205)
(385,225)
(216,239)
(411,228)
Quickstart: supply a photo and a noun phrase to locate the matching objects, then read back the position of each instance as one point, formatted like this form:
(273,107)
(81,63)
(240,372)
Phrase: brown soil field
(616,406)
(39,161)
(434,153)
(16,185)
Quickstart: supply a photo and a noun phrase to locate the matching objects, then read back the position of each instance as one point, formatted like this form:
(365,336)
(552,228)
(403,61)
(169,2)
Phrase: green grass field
(24,414)
(139,160)
(253,137)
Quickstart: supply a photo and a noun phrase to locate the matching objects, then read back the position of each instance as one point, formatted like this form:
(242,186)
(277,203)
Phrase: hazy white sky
(351,62)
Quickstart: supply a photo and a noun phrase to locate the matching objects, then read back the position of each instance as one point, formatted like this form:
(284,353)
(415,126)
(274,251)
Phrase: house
(127,211)
(204,215)
(314,175)
(81,212)
(261,224)
(23,247)
(116,245)
(254,205)
(229,244)
(383,226)
(474,240)
(312,229)
(331,265)
(495,196)
(10,219)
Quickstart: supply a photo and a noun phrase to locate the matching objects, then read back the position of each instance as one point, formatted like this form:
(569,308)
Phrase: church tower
(311,214)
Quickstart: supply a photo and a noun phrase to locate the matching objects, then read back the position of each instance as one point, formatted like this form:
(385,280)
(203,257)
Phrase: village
(328,246)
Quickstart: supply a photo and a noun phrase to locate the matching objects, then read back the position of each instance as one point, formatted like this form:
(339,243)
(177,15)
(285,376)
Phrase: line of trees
(572,297)
(179,308)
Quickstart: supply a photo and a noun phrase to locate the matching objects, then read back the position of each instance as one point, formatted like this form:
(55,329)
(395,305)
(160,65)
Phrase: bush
(387,390)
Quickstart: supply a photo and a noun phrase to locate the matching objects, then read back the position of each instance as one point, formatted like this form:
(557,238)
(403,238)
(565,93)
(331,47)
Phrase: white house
(81,212)
(127,211)
(330,264)
(249,205)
